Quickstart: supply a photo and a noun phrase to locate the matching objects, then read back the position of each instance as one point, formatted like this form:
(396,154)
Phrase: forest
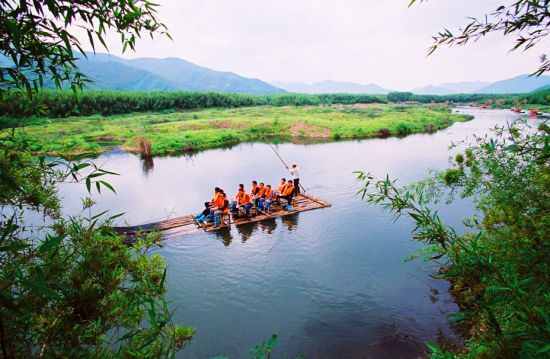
(65,103)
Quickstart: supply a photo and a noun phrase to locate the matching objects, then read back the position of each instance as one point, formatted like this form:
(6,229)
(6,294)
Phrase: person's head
(294,165)
(289,182)
(283,180)
(261,184)
(241,186)
(241,190)
(254,183)
(217,189)
(222,193)
(268,186)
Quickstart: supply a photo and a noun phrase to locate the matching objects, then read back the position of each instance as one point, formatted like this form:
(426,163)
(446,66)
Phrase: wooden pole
(283,161)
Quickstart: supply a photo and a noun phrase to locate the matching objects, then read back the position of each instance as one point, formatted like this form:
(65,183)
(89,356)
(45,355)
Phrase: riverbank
(191,130)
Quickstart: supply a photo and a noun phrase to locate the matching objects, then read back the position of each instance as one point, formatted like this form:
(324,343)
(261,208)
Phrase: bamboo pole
(283,161)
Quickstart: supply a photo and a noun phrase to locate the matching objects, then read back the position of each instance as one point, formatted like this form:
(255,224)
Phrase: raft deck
(300,203)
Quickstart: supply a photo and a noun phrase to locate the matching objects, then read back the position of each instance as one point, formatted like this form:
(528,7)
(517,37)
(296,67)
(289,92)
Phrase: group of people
(261,197)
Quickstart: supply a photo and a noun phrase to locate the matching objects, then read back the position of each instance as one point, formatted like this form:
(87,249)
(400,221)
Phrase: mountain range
(169,74)
(329,86)
(518,84)
(110,72)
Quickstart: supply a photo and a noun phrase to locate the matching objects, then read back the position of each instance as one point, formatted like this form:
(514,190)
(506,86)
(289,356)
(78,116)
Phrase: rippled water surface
(332,283)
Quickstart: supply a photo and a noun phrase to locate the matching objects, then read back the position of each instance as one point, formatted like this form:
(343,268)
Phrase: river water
(332,283)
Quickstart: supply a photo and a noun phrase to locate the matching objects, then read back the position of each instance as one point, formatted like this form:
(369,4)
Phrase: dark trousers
(296,186)
(287,197)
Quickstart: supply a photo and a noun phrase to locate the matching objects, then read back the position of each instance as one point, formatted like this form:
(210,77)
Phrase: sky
(364,41)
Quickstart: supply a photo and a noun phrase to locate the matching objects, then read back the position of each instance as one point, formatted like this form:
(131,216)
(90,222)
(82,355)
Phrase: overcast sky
(363,41)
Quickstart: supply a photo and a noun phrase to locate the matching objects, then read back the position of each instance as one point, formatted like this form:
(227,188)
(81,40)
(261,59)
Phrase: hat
(294,163)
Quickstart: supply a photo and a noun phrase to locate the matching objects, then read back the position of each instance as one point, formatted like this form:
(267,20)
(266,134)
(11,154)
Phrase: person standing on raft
(296,177)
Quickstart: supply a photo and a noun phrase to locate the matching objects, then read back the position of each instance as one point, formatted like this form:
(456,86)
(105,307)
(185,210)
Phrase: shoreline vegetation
(170,132)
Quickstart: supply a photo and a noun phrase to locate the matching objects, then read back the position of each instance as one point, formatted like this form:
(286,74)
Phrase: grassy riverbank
(177,131)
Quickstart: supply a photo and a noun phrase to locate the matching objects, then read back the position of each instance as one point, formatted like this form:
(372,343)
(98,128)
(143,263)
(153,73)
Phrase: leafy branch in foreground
(528,20)
(500,268)
(71,288)
(38,37)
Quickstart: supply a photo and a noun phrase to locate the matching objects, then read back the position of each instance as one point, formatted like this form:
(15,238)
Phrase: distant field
(178,131)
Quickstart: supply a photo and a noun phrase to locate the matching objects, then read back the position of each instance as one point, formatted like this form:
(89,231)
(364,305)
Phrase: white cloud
(364,41)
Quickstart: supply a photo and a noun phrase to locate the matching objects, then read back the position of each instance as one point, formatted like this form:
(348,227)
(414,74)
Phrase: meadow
(190,130)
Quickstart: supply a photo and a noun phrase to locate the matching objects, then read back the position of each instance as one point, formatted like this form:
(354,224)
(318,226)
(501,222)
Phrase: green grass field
(178,131)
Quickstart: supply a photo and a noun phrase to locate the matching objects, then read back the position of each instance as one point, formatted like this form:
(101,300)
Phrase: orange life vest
(281,187)
(244,199)
(262,191)
(215,198)
(226,210)
(253,192)
(219,201)
(268,193)
(288,190)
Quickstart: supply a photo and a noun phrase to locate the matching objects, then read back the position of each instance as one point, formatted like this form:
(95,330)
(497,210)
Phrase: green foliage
(173,131)
(403,128)
(38,37)
(72,288)
(528,20)
(400,96)
(500,268)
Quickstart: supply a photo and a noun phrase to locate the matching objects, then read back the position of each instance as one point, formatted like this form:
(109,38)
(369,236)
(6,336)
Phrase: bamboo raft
(300,203)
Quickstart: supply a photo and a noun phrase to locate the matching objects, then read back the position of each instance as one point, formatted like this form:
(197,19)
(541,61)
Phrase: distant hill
(465,86)
(518,84)
(189,76)
(433,90)
(329,86)
(149,74)
(451,88)
(111,75)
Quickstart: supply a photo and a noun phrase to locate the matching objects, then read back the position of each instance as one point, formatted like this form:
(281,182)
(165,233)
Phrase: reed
(144,147)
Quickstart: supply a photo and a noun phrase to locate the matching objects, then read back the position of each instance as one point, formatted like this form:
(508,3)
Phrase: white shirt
(294,172)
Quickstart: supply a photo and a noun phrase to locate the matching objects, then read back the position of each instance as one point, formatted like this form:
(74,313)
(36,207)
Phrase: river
(332,283)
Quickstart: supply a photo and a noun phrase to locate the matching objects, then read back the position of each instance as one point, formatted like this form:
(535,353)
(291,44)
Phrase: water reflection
(148,164)
(268,225)
(290,220)
(225,236)
(246,231)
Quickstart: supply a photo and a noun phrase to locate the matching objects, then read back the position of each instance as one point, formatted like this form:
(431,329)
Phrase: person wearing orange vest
(269,197)
(287,194)
(282,186)
(235,201)
(217,201)
(244,201)
(223,208)
(208,205)
(260,194)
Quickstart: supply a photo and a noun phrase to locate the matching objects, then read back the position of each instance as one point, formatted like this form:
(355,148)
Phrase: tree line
(65,103)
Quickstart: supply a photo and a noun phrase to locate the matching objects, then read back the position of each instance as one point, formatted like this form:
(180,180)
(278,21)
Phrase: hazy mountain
(149,74)
(329,86)
(186,75)
(518,84)
(433,90)
(465,87)
(450,88)
(111,75)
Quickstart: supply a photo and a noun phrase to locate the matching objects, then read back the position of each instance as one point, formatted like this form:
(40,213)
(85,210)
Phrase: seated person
(282,186)
(235,202)
(287,194)
(244,201)
(208,205)
(260,194)
(222,209)
(270,196)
